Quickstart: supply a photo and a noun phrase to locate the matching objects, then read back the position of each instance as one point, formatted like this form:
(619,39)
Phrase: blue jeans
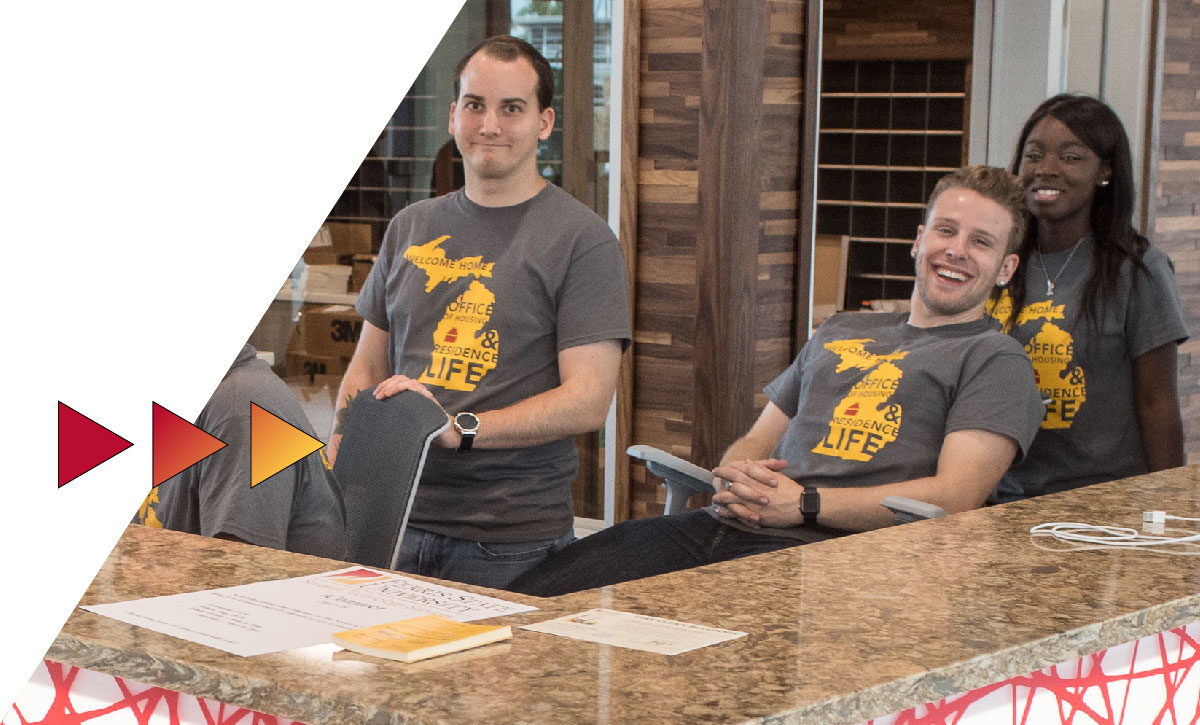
(472,562)
(646,547)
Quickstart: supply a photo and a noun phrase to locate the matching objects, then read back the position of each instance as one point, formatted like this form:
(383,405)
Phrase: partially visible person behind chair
(298,509)
(505,302)
(933,405)
(1095,306)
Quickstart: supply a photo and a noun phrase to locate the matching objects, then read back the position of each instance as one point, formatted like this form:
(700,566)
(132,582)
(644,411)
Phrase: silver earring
(1104,182)
(1001,284)
(912,253)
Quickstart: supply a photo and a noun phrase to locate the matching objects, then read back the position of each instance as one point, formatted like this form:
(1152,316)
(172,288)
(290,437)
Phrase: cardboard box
(361,265)
(350,238)
(329,330)
(333,278)
(302,365)
(336,242)
(320,249)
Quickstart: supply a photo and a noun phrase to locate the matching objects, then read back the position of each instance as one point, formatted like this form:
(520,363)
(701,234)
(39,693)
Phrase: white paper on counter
(270,616)
(634,631)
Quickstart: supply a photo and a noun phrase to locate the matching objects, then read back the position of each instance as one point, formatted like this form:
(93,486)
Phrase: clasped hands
(449,438)
(756,493)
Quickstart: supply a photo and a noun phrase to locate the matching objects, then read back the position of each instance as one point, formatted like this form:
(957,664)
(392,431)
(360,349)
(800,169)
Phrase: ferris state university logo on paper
(866,419)
(1052,352)
(465,349)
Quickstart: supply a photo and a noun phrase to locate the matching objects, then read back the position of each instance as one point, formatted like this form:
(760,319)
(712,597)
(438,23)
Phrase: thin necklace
(1050,282)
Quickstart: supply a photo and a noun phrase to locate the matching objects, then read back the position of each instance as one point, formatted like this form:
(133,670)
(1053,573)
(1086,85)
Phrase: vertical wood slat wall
(630,86)
(579,180)
(717,210)
(1174,223)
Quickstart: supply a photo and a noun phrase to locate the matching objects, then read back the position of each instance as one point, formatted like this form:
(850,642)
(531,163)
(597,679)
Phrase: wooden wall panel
(579,29)
(630,47)
(731,120)
(889,30)
(1175,212)
(780,154)
(668,168)
(721,99)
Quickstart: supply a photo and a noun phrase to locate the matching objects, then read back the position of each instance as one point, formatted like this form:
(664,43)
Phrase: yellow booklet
(419,638)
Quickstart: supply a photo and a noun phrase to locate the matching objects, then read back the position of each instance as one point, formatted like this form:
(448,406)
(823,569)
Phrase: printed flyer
(254,619)
(635,631)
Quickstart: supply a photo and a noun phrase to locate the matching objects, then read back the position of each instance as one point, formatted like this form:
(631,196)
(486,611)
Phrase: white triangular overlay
(163,165)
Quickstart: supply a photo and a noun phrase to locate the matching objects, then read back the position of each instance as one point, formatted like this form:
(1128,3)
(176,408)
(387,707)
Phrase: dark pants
(644,547)
(471,562)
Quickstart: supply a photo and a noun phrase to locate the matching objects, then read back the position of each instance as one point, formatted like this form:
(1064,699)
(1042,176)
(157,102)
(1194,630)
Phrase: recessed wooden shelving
(889,130)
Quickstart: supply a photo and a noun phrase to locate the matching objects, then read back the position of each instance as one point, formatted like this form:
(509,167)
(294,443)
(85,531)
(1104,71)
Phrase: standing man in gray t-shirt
(507,303)
(934,405)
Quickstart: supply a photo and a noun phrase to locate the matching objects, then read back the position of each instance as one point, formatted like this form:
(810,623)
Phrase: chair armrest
(682,478)
(908,510)
(674,469)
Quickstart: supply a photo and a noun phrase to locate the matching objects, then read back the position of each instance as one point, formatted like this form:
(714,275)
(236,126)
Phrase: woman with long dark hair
(1095,306)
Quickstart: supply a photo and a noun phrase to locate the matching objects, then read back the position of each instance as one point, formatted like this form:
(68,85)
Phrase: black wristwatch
(810,504)
(467,425)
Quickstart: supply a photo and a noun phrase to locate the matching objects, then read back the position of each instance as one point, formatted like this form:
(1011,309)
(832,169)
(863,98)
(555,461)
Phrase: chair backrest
(379,465)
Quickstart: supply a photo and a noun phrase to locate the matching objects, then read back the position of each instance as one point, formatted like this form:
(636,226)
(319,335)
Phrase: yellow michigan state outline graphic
(465,350)
(1051,350)
(864,421)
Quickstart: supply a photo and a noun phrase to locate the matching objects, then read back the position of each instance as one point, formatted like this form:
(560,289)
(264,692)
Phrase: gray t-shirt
(298,509)
(872,398)
(1090,432)
(478,302)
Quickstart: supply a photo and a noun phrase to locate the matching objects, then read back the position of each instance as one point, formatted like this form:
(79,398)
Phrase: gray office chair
(683,479)
(378,466)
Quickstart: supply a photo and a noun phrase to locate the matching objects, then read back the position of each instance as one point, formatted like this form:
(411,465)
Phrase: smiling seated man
(934,404)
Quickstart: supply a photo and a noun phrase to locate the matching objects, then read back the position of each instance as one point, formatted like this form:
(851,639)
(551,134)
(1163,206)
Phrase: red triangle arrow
(83,444)
(178,444)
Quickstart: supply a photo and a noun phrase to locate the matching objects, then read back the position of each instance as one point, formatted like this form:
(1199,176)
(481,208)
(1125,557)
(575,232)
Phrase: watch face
(810,502)
(466,422)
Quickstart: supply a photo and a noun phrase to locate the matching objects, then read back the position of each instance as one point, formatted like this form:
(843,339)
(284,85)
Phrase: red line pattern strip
(1154,680)
(59,694)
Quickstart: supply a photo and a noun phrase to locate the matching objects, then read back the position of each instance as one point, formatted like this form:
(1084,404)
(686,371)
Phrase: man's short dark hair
(508,48)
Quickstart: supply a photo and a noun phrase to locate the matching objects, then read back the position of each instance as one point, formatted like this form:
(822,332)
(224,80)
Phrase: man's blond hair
(992,183)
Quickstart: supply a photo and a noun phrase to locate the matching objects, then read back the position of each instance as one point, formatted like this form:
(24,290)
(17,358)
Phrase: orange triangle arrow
(178,444)
(275,444)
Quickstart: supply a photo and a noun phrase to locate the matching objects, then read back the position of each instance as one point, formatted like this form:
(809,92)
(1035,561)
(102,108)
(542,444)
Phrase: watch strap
(465,441)
(810,504)
(467,425)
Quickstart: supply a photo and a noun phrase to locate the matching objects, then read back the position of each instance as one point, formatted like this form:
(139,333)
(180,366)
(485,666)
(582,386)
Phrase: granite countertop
(838,631)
